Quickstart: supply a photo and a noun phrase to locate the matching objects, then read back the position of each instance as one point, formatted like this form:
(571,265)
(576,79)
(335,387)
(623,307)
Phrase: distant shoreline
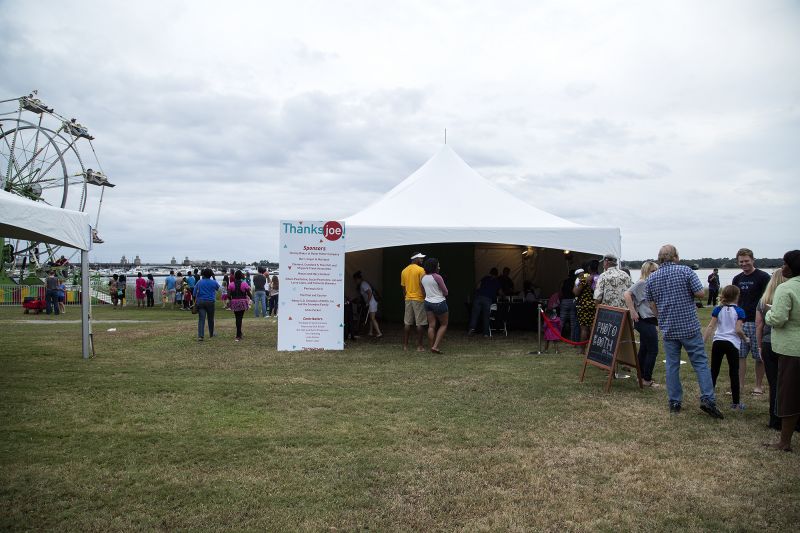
(704,263)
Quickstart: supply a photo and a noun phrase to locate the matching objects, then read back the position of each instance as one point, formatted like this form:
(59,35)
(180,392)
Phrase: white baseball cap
(418,256)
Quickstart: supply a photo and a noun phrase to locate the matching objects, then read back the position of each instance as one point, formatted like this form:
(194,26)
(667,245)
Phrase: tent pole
(539,329)
(86,305)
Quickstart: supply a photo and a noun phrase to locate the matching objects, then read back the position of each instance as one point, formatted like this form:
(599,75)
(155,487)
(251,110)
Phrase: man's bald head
(667,254)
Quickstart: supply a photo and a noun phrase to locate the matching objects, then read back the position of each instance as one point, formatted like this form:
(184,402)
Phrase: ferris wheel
(47,158)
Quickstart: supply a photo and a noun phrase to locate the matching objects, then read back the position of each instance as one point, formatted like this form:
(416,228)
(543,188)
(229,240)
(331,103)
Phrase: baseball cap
(418,256)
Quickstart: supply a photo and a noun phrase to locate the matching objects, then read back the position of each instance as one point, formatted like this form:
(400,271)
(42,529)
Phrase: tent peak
(446,200)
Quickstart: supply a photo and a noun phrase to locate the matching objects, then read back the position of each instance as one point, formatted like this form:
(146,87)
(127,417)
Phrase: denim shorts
(437,309)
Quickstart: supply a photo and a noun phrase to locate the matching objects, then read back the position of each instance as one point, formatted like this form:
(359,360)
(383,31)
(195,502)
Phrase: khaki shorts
(415,313)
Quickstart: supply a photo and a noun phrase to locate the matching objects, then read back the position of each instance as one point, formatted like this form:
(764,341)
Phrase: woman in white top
(368,295)
(435,302)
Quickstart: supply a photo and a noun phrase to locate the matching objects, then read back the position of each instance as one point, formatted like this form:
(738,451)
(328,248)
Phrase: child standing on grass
(273,297)
(727,325)
(552,331)
(179,291)
(187,296)
(225,281)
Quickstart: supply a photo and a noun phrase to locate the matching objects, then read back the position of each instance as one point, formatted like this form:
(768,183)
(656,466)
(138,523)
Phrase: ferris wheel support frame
(62,142)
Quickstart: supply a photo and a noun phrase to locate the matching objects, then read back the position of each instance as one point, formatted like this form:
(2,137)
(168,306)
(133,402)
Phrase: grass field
(161,432)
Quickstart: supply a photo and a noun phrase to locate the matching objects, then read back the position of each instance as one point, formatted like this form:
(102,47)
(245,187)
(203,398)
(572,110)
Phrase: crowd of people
(757,315)
(748,316)
(178,290)
(197,291)
(425,304)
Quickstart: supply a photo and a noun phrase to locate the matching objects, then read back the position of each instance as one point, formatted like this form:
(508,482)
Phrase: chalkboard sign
(605,335)
(610,342)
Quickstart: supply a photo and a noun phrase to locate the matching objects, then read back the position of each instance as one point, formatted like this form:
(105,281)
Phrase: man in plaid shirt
(671,290)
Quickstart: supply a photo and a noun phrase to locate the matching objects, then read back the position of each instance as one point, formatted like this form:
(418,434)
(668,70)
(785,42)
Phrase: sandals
(757,392)
(434,350)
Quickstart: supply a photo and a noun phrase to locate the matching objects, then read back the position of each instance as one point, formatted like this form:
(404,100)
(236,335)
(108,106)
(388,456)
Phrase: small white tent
(21,218)
(448,210)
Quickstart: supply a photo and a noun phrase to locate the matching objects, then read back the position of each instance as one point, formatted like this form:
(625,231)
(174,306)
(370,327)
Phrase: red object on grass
(549,326)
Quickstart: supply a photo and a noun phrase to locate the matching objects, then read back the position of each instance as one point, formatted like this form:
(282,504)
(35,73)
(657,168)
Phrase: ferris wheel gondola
(40,159)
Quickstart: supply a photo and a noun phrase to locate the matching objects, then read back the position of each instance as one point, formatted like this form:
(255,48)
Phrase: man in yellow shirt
(410,280)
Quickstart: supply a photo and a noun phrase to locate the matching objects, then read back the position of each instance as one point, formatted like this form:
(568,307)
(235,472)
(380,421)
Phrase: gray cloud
(215,124)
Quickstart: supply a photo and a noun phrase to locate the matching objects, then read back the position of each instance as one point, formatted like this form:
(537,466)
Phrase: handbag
(194,307)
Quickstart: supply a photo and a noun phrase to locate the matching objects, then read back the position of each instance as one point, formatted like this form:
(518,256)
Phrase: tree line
(719,262)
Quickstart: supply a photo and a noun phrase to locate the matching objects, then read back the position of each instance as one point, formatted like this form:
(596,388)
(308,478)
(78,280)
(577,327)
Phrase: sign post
(311,300)
(611,341)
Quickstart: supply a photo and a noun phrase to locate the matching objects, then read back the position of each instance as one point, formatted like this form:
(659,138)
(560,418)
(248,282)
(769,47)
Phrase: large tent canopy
(447,210)
(446,201)
(25,219)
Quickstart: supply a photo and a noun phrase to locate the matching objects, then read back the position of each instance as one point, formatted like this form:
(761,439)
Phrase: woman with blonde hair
(645,322)
(764,340)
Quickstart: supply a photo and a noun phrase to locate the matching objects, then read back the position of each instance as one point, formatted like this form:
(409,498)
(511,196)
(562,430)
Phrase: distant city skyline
(776,261)
(124,260)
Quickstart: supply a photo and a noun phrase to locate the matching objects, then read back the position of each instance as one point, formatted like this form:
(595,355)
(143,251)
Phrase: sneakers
(737,407)
(708,407)
(711,409)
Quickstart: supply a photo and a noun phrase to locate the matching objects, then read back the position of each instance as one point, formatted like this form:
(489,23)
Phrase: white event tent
(21,218)
(446,201)
(448,210)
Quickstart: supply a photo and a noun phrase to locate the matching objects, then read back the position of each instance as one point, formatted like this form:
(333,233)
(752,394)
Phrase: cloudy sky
(676,121)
